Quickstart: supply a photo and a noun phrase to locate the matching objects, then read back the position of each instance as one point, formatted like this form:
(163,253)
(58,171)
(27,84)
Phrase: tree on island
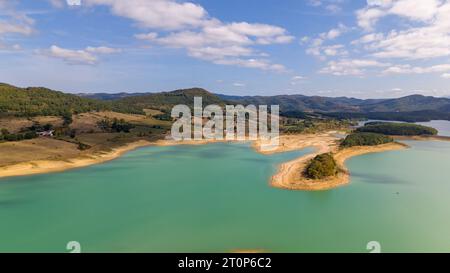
(322,166)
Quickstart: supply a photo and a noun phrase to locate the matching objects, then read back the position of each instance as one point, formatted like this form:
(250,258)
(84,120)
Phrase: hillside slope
(166,100)
(39,101)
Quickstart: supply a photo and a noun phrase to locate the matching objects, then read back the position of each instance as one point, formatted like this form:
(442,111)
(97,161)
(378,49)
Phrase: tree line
(399,129)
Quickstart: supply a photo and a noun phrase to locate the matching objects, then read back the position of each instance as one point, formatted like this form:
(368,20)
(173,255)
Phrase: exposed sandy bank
(290,174)
(47,166)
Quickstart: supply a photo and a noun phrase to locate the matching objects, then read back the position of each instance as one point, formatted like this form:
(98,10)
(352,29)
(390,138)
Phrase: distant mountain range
(42,100)
(288,103)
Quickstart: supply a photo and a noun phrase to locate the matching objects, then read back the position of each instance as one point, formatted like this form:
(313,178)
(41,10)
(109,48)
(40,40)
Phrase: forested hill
(410,108)
(344,104)
(109,96)
(39,101)
(166,100)
(408,104)
(301,102)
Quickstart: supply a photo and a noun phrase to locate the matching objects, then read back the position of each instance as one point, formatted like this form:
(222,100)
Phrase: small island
(322,166)
(397,129)
(365,139)
(326,168)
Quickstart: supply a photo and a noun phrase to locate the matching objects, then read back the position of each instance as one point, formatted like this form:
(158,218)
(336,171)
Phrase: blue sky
(366,49)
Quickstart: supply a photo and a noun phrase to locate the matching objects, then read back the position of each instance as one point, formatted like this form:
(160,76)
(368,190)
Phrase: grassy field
(86,131)
(15,124)
(36,149)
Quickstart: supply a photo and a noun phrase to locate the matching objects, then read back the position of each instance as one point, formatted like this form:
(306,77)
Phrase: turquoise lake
(216,198)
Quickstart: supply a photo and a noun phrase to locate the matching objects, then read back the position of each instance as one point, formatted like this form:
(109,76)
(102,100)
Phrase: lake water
(216,198)
(443,126)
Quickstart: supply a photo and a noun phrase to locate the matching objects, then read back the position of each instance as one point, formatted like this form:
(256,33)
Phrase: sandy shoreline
(290,174)
(49,166)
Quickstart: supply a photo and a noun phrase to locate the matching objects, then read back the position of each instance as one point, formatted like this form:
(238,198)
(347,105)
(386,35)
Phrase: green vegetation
(83,146)
(311,125)
(164,117)
(166,100)
(115,125)
(365,139)
(415,116)
(322,166)
(38,101)
(399,129)
(5,135)
(37,127)
(25,133)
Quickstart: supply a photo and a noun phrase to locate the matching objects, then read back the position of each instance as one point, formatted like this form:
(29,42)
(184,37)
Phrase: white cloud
(252,63)
(103,50)
(368,17)
(57,3)
(424,34)
(298,78)
(315,3)
(13,22)
(304,40)
(408,69)
(15,28)
(188,26)
(428,38)
(160,14)
(446,75)
(83,56)
(335,50)
(9,47)
(345,67)
(318,49)
(333,6)
(415,10)
(151,36)
(369,38)
(334,33)
(238,84)
(412,9)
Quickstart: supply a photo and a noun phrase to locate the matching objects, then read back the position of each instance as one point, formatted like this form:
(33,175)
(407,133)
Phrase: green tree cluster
(115,125)
(365,139)
(322,166)
(5,135)
(398,129)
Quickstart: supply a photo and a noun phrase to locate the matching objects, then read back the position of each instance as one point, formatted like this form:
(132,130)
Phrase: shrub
(83,146)
(321,166)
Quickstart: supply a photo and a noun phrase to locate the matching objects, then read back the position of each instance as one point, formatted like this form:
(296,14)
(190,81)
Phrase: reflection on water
(378,178)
